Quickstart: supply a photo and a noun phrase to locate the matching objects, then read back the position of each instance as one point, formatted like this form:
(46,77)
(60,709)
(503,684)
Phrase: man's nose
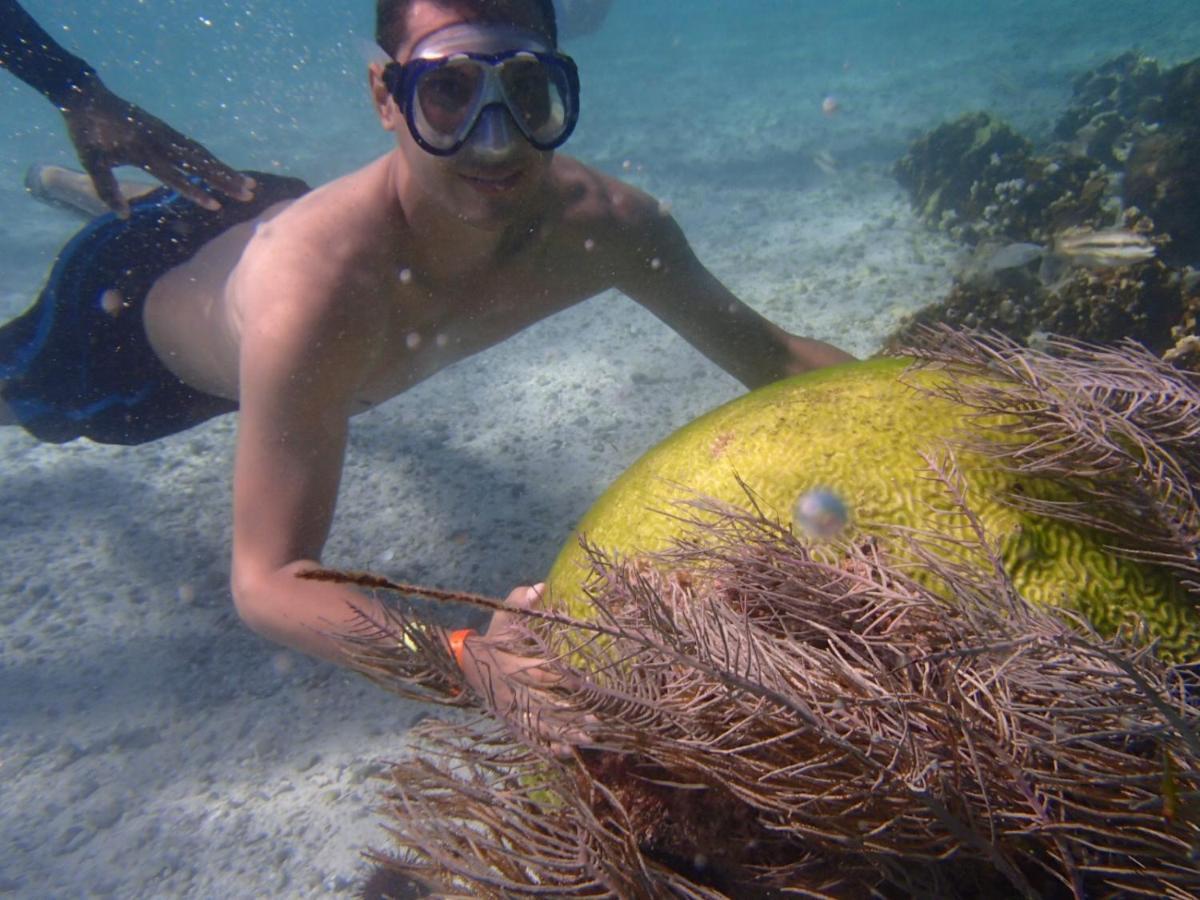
(495,136)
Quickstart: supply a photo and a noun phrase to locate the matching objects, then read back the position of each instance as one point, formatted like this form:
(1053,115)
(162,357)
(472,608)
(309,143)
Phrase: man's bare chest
(431,327)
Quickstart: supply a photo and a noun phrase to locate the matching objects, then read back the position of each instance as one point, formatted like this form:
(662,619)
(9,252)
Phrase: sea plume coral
(1119,428)
(769,719)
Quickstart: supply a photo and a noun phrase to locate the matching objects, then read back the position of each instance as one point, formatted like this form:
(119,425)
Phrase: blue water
(149,746)
(282,85)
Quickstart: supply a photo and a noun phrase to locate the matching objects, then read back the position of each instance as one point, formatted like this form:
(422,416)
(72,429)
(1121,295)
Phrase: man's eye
(527,82)
(448,89)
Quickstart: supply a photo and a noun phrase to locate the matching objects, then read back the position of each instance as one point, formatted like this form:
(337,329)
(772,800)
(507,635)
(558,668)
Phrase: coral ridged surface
(860,430)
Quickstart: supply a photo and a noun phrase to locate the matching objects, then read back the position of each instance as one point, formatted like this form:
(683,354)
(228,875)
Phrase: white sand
(151,746)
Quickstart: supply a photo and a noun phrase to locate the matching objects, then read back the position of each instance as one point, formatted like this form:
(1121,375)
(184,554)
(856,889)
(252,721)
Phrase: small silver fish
(825,161)
(1084,248)
(1011,256)
(1107,249)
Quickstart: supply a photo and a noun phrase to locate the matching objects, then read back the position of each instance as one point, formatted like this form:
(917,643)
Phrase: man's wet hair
(391,17)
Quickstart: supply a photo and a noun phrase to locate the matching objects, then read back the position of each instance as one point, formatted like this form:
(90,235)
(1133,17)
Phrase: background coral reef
(1125,154)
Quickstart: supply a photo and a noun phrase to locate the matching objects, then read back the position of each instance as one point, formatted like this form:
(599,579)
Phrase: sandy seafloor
(150,745)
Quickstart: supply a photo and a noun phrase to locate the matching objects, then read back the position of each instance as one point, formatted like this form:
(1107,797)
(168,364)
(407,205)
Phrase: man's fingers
(195,159)
(523,670)
(562,730)
(534,673)
(526,596)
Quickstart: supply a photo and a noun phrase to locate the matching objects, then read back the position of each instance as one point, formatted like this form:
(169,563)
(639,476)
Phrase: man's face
(497,174)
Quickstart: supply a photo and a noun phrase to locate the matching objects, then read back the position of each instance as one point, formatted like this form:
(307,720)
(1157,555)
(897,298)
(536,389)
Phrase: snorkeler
(303,308)
(107,131)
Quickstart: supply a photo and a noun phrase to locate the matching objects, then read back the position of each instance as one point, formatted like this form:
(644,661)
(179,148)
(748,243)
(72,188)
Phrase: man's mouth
(493,183)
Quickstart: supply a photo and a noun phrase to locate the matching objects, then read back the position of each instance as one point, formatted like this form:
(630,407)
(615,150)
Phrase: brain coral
(860,430)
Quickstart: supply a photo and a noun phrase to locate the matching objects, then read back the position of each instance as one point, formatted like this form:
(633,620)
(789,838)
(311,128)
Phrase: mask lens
(446,100)
(444,97)
(537,96)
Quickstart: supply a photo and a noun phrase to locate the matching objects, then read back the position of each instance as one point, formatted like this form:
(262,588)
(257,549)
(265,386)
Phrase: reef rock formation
(1108,104)
(1145,303)
(1126,155)
(976,178)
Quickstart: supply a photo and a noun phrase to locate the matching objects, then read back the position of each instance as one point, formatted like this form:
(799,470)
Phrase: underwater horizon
(151,744)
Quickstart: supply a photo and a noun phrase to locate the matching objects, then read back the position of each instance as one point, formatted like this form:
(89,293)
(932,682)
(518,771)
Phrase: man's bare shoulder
(630,234)
(591,198)
(338,223)
(332,242)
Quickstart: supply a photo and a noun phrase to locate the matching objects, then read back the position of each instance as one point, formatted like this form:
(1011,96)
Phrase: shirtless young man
(317,305)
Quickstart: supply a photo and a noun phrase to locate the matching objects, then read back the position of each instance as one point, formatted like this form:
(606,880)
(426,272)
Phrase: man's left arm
(663,274)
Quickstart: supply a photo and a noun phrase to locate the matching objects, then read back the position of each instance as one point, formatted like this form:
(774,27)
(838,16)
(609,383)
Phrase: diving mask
(459,72)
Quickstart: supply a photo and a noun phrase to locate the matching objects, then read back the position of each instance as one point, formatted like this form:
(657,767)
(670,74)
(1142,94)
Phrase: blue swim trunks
(78,362)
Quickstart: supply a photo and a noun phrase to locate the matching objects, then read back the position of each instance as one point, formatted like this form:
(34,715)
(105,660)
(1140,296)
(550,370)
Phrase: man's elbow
(248,593)
(299,614)
(254,596)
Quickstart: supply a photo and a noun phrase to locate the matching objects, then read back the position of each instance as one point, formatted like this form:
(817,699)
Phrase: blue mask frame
(403,80)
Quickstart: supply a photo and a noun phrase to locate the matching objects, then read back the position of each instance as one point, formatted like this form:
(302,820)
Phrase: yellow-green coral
(859,430)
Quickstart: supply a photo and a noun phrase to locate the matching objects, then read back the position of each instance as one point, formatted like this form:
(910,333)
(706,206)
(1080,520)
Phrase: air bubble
(821,513)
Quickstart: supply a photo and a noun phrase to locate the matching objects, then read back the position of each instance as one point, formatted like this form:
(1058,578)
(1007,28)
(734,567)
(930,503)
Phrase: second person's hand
(108,132)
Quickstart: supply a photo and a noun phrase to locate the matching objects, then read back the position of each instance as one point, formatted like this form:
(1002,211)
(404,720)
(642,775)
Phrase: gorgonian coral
(766,720)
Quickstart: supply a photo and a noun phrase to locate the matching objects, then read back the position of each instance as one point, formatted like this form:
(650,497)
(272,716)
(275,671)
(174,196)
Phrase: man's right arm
(298,375)
(301,363)
(302,360)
